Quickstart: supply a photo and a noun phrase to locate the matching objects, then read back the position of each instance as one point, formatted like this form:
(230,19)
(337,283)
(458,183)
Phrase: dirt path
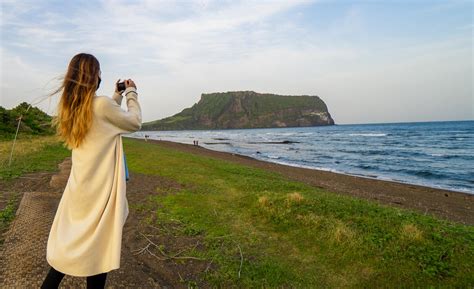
(23,255)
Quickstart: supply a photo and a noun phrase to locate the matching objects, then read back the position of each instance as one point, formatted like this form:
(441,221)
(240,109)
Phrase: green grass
(290,234)
(294,235)
(31,154)
(7,214)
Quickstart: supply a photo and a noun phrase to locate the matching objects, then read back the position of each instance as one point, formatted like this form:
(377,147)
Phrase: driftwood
(165,256)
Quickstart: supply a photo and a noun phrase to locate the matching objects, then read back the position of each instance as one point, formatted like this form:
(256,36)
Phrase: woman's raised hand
(130,83)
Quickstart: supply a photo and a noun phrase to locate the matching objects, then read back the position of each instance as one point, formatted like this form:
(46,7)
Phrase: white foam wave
(308,167)
(273,156)
(281,133)
(368,134)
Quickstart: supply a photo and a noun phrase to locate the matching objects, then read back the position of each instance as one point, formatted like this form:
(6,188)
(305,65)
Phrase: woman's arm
(126,121)
(118,98)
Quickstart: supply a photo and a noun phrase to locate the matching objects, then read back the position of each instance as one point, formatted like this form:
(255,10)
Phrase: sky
(370,61)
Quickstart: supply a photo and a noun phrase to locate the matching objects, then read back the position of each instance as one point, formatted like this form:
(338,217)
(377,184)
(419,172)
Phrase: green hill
(247,109)
(34,121)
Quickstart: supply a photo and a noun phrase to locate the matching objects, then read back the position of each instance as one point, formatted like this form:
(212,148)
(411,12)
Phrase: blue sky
(370,61)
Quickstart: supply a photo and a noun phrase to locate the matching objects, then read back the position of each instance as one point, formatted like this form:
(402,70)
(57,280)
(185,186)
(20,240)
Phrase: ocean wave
(369,134)
(458,189)
(367,167)
(448,157)
(366,152)
(376,152)
(217,143)
(449,138)
(281,133)
(275,157)
(363,175)
(426,174)
(425,154)
(309,167)
(438,155)
(385,178)
(274,142)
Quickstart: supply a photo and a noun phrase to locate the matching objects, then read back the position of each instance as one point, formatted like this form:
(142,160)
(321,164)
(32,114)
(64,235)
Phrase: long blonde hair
(74,113)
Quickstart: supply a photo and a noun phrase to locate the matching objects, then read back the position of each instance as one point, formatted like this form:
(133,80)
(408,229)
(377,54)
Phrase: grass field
(281,233)
(30,154)
(262,230)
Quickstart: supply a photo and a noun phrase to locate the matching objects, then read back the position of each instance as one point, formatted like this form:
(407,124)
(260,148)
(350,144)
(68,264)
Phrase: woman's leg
(96,281)
(53,279)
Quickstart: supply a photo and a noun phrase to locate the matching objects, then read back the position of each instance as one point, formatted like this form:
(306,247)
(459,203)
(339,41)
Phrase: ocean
(433,154)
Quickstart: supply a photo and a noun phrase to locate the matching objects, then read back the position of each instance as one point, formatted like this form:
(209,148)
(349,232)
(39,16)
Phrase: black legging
(55,277)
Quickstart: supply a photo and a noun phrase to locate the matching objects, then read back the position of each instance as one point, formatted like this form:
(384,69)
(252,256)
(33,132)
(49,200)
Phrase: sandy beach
(445,204)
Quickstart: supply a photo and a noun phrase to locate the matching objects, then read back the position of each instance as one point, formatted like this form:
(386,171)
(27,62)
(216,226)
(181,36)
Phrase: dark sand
(445,204)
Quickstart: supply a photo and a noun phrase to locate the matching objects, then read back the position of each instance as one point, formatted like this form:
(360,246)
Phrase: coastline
(400,152)
(445,204)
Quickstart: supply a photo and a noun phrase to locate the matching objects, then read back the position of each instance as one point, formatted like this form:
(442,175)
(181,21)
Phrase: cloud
(21,81)
(145,25)
(177,50)
(160,36)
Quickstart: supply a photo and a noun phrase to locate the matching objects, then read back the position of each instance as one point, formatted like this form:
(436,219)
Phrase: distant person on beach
(86,234)
(146,137)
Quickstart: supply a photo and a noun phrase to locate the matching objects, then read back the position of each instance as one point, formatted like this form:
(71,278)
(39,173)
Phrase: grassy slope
(319,240)
(291,234)
(31,154)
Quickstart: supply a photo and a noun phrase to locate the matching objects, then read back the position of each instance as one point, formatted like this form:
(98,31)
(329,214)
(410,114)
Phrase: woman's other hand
(116,87)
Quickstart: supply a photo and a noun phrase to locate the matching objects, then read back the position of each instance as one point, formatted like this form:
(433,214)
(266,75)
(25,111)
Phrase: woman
(86,234)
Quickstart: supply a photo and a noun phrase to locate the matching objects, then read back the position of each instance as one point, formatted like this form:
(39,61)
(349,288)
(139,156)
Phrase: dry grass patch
(367,272)
(24,146)
(342,233)
(411,232)
(263,201)
(310,219)
(293,198)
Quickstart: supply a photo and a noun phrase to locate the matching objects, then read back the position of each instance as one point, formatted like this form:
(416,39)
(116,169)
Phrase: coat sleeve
(118,98)
(125,121)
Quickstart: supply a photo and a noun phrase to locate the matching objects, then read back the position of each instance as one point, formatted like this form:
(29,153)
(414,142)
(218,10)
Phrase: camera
(121,86)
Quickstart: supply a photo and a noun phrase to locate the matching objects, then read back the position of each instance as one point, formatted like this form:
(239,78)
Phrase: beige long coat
(86,235)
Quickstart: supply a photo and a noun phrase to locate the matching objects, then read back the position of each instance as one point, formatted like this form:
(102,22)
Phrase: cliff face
(247,109)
